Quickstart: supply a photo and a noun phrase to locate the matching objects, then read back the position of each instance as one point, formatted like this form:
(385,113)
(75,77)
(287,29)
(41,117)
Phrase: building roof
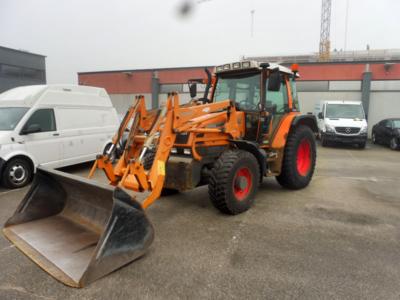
(145,70)
(376,55)
(21,51)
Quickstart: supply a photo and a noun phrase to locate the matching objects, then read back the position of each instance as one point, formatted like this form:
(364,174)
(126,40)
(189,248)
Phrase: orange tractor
(246,126)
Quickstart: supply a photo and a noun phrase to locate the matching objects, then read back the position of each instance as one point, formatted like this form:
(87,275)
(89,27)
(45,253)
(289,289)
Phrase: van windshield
(344,111)
(10,117)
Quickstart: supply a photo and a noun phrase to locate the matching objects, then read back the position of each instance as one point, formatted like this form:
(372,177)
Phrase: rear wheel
(17,173)
(234,181)
(299,159)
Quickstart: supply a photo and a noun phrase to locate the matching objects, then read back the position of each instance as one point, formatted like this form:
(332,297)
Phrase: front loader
(246,126)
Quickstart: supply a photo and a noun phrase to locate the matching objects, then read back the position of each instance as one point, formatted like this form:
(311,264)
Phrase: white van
(342,121)
(52,125)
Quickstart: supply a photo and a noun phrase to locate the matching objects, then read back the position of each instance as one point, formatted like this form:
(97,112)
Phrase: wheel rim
(17,174)
(304,157)
(393,144)
(242,183)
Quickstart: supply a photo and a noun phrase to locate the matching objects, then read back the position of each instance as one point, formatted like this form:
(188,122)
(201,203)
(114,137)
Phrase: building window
(21,72)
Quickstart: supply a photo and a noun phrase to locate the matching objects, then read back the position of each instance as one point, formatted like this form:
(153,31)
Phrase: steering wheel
(246,105)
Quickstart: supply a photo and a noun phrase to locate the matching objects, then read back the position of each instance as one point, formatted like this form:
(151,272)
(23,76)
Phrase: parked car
(342,121)
(387,132)
(52,125)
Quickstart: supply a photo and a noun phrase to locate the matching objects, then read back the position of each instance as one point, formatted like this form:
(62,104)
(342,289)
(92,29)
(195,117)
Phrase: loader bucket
(78,230)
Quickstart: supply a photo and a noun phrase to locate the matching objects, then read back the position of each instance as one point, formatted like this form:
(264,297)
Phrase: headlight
(329,128)
(364,129)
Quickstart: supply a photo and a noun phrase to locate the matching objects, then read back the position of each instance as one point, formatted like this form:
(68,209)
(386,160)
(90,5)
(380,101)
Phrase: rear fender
(305,120)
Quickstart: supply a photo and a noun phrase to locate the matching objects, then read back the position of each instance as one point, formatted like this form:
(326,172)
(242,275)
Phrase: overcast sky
(94,35)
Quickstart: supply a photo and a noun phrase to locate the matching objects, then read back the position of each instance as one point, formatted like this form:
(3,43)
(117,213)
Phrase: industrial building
(18,68)
(371,76)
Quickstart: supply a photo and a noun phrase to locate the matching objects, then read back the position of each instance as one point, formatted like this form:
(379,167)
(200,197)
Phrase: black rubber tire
(362,145)
(7,180)
(373,138)
(290,176)
(221,181)
(324,142)
(148,159)
(393,144)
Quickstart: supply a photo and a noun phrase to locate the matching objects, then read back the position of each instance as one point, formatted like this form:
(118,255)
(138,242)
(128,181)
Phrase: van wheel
(324,142)
(17,173)
(374,138)
(393,144)
(299,159)
(362,145)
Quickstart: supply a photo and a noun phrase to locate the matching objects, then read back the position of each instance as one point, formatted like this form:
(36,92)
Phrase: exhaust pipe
(78,230)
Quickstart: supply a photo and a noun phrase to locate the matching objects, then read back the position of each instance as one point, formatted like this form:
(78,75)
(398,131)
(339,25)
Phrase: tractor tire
(234,181)
(148,159)
(299,159)
(17,173)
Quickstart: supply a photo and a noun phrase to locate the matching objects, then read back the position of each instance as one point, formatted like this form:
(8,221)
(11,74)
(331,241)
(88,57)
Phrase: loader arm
(214,124)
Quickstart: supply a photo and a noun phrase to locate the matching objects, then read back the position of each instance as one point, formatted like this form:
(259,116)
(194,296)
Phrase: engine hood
(346,122)
(5,137)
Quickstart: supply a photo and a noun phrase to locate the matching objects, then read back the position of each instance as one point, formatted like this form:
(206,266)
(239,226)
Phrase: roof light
(295,68)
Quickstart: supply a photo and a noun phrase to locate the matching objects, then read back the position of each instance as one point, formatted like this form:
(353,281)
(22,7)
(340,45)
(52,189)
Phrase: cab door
(41,139)
(276,105)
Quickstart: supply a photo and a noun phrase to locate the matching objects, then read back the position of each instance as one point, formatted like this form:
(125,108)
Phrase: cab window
(44,118)
(244,90)
(277,101)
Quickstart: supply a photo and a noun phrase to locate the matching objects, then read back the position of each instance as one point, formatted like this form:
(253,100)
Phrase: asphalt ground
(337,239)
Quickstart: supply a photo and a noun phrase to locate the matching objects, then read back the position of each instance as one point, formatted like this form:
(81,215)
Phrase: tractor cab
(264,92)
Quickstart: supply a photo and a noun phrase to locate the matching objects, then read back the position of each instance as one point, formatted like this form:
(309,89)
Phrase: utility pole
(346,24)
(324,43)
(252,22)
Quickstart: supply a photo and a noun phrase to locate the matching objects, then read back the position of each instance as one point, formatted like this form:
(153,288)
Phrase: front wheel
(373,138)
(234,181)
(17,173)
(394,145)
(299,159)
(362,145)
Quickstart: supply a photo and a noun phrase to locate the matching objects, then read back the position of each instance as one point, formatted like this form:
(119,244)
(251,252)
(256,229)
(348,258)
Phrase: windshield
(244,90)
(344,111)
(396,123)
(10,116)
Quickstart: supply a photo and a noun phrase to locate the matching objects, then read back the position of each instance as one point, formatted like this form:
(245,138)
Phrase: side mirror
(320,115)
(193,90)
(274,81)
(33,128)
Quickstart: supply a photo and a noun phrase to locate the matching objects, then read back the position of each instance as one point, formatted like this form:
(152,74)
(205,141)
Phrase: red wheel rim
(242,183)
(304,157)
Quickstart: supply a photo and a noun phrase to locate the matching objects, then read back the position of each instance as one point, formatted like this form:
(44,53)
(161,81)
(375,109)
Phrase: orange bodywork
(211,124)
